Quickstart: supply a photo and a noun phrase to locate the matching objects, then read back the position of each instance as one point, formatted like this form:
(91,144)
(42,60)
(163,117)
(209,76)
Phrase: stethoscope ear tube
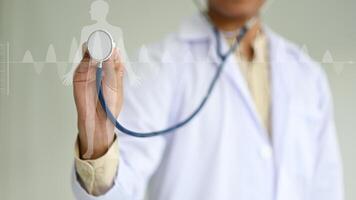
(222,56)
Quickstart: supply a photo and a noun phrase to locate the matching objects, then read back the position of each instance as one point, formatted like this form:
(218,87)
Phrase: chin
(237,8)
(241,13)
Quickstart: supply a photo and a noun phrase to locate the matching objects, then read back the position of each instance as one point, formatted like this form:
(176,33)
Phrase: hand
(96,132)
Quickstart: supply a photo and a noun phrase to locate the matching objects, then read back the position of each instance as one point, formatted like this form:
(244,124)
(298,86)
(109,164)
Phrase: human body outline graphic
(99,10)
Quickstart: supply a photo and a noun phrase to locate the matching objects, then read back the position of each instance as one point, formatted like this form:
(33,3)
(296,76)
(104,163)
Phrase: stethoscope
(100,47)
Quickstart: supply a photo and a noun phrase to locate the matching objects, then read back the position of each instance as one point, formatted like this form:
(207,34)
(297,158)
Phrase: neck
(228,24)
(101,20)
(225,23)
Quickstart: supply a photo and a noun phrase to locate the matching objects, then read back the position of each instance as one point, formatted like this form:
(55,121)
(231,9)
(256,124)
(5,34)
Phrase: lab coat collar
(195,28)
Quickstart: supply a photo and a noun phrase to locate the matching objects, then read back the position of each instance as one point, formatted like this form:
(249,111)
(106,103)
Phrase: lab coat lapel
(233,74)
(280,93)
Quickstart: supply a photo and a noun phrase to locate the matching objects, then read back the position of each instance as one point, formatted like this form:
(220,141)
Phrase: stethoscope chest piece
(100,45)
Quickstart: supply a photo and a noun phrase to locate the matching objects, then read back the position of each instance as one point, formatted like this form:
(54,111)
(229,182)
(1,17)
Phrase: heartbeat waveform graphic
(74,58)
(75,54)
(304,49)
(5,69)
(327,59)
(337,66)
(51,58)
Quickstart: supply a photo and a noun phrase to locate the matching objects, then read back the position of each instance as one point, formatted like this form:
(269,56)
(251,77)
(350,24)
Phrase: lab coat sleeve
(97,176)
(327,183)
(146,108)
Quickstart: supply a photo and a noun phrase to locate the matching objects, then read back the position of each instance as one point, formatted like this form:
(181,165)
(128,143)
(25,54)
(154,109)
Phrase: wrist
(87,152)
(94,144)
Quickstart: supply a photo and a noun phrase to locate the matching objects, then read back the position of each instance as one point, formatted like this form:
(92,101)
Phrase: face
(98,10)
(236,8)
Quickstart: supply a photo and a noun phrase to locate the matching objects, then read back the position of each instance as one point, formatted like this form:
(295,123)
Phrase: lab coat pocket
(306,119)
(304,123)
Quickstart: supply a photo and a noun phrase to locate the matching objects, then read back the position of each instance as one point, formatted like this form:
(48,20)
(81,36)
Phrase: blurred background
(37,111)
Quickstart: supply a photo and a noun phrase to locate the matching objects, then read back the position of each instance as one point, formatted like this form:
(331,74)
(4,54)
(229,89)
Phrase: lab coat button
(266,152)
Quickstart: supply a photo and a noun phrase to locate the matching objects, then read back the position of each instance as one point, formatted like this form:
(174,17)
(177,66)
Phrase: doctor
(267,131)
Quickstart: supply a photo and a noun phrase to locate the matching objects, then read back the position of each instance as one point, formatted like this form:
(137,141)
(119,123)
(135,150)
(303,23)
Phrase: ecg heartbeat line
(74,58)
(5,69)
(75,52)
(51,58)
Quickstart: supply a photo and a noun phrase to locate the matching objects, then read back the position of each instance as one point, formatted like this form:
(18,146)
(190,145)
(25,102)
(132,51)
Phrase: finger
(113,70)
(87,61)
(112,82)
(85,51)
(87,67)
(85,72)
(119,63)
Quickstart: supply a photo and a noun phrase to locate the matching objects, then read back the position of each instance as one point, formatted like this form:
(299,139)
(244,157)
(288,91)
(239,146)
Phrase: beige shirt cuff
(97,176)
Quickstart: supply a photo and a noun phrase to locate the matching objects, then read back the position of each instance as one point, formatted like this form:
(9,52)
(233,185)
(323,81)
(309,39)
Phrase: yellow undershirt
(257,75)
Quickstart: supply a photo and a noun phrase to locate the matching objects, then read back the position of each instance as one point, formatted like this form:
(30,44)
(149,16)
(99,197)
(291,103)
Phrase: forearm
(94,138)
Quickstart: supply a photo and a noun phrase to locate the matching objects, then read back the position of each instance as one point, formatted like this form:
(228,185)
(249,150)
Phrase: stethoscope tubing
(223,57)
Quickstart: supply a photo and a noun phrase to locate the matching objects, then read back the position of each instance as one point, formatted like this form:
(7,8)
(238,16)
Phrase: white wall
(37,118)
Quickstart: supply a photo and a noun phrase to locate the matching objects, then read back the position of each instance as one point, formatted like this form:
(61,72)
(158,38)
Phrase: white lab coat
(225,152)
